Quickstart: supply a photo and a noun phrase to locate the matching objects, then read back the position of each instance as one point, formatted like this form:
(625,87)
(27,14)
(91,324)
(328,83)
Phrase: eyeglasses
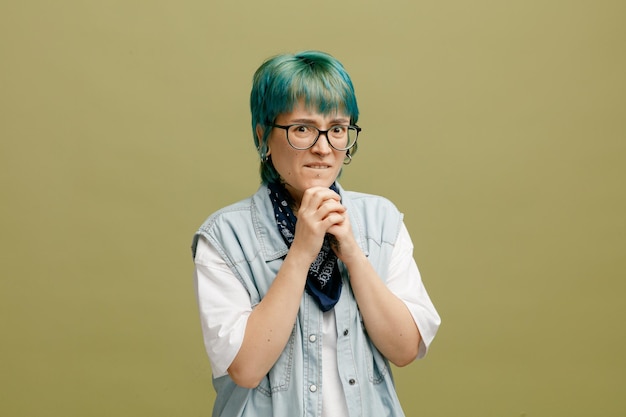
(340,137)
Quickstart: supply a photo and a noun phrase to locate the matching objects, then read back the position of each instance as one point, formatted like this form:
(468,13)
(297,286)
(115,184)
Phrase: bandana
(324,279)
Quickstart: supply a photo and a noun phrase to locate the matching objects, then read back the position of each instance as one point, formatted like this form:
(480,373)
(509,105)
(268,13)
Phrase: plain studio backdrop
(497,127)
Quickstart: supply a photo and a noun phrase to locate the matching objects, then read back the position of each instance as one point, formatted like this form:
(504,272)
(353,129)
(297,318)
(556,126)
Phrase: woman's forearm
(270,323)
(387,319)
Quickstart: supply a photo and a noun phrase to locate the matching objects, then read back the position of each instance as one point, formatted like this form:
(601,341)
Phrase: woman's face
(303,169)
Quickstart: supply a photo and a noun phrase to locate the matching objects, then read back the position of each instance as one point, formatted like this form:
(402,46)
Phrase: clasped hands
(321,212)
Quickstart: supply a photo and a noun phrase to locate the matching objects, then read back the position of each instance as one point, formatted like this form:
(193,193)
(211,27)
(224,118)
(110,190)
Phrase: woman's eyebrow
(341,120)
(304,121)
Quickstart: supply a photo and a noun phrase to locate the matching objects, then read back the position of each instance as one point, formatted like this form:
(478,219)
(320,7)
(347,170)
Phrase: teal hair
(282,81)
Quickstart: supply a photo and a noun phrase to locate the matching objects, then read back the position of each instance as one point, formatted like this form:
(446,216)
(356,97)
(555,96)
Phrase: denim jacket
(246,236)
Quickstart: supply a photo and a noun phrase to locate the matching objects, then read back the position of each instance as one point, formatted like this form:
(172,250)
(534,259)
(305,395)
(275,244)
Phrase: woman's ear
(259,135)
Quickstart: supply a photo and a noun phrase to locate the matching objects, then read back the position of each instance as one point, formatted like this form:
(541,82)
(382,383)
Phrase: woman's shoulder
(230,213)
(225,214)
(374,216)
(232,219)
(369,201)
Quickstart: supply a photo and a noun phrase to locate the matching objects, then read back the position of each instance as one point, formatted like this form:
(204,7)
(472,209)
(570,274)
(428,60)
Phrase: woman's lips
(317,166)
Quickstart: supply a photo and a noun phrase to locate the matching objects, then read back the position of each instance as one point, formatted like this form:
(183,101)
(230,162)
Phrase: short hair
(283,80)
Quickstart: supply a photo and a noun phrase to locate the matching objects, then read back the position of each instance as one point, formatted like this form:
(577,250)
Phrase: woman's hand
(343,242)
(320,211)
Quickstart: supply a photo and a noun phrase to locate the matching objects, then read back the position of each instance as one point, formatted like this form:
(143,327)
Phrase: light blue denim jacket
(246,236)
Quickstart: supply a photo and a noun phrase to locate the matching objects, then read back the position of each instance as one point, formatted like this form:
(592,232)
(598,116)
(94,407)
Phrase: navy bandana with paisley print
(324,279)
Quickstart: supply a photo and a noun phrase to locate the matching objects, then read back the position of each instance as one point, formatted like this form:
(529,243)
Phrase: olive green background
(497,127)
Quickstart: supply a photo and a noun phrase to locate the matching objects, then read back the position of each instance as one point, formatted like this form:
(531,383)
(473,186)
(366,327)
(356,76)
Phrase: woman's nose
(322,146)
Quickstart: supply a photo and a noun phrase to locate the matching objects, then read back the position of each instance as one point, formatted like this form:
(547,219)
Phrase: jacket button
(313,388)
(312,338)
(352,381)
(345,332)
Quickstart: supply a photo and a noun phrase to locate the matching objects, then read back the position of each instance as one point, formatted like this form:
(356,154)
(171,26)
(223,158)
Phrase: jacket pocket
(377,365)
(279,377)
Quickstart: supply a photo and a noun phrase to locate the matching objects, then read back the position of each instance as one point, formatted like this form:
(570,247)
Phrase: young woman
(307,291)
